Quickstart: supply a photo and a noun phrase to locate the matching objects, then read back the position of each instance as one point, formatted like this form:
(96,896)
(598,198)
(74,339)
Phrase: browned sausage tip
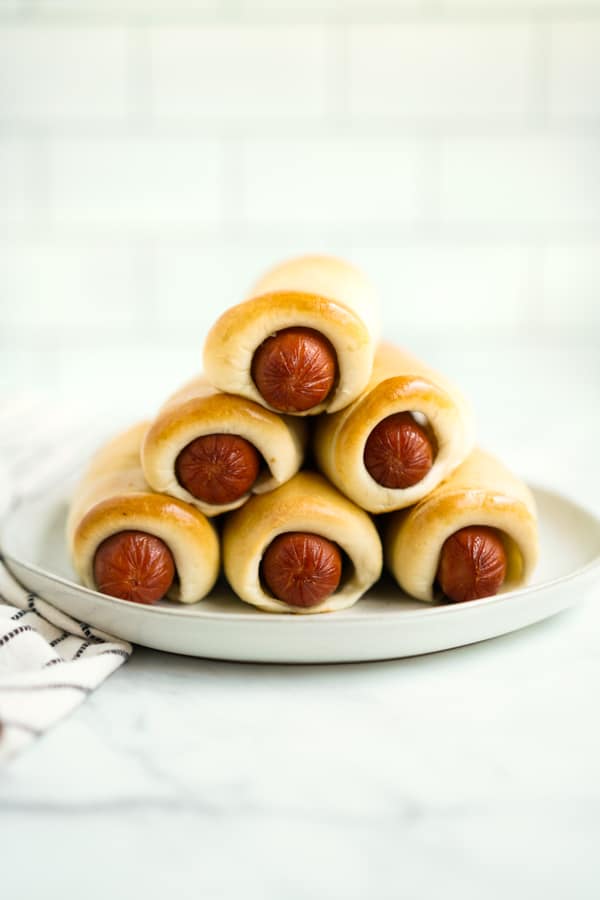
(302,569)
(398,452)
(133,565)
(218,468)
(472,564)
(295,369)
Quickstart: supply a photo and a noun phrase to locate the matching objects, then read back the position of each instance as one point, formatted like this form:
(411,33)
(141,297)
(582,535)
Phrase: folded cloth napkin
(49,662)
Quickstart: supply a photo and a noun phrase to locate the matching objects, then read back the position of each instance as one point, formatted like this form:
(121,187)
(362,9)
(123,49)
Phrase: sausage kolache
(472,537)
(302,548)
(213,449)
(408,430)
(134,544)
(302,343)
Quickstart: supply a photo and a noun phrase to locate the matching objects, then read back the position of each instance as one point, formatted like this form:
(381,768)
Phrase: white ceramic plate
(385,624)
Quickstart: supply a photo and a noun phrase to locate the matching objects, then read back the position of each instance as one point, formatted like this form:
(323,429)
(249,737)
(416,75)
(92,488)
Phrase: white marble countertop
(470,773)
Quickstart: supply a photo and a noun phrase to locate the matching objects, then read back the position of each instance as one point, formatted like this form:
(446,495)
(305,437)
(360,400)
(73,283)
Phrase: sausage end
(295,369)
(218,468)
(398,452)
(472,564)
(302,569)
(134,565)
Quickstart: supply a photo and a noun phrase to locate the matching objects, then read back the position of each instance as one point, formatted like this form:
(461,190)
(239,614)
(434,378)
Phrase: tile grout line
(540,53)
(338,41)
(233,194)
(139,80)
(429,182)
(144,254)
(230,12)
(375,128)
(385,234)
(40,194)
(532,317)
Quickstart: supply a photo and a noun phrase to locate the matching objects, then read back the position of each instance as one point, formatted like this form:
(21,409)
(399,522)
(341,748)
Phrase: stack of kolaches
(305,455)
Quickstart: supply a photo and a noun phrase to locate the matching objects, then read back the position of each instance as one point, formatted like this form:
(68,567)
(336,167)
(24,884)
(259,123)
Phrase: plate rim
(375,618)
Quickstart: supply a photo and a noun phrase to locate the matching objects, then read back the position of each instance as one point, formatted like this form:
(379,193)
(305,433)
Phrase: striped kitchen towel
(49,662)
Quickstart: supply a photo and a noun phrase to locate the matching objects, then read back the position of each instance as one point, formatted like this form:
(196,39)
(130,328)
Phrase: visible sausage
(398,452)
(134,566)
(295,369)
(218,468)
(302,569)
(472,564)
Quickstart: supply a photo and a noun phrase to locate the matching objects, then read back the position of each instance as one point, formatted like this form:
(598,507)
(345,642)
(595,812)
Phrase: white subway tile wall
(568,273)
(239,73)
(544,182)
(62,72)
(93,286)
(135,183)
(16,164)
(344,181)
(574,70)
(449,71)
(156,156)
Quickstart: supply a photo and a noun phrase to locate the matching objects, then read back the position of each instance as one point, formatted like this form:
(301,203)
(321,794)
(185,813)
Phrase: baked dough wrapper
(198,409)
(319,292)
(482,491)
(113,496)
(305,503)
(399,383)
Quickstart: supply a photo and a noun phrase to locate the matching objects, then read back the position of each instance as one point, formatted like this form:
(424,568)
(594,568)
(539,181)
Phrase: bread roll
(325,295)
(114,498)
(400,383)
(197,410)
(307,504)
(481,492)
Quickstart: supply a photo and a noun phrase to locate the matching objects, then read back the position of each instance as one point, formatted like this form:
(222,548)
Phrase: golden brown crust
(320,293)
(306,503)
(482,491)
(399,383)
(113,496)
(198,409)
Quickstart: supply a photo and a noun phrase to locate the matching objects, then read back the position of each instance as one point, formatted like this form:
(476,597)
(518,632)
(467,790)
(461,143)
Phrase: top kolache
(302,343)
